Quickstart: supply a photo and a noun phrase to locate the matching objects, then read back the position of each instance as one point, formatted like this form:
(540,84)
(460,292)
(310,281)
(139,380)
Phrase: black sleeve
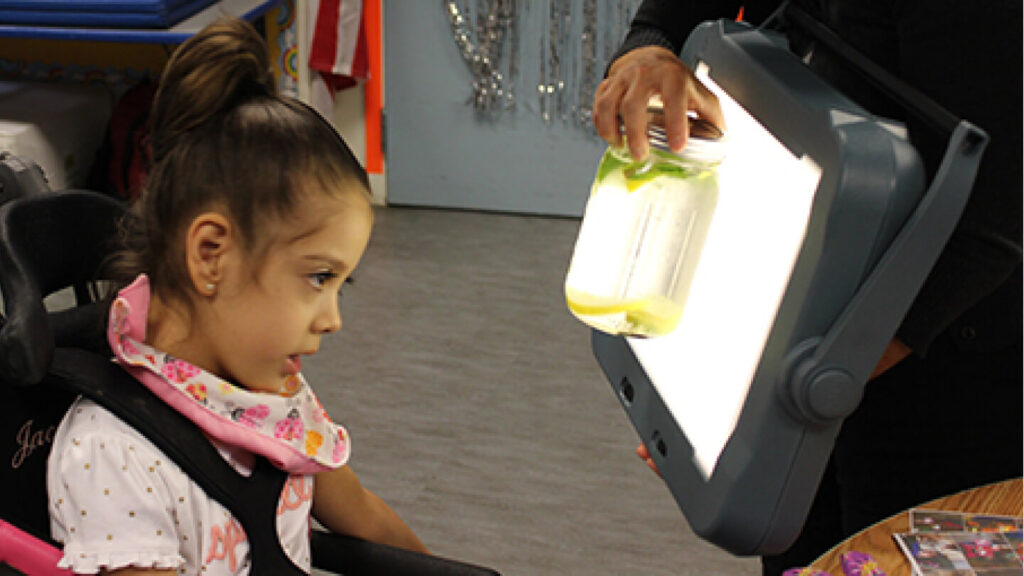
(667,23)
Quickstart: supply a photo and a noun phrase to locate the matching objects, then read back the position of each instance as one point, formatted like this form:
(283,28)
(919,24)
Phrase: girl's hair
(223,139)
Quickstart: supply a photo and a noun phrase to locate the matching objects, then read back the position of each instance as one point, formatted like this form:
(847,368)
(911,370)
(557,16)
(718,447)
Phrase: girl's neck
(167,328)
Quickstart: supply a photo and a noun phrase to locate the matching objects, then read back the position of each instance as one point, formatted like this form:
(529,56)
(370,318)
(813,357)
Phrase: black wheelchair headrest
(49,242)
(20,177)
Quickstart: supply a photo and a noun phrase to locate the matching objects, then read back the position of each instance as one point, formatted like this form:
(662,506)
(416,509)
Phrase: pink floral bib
(293,432)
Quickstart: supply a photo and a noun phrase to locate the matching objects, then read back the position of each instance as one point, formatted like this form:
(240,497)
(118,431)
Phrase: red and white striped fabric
(338,49)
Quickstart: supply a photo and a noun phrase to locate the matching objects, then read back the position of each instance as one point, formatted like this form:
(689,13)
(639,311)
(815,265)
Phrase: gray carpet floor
(478,411)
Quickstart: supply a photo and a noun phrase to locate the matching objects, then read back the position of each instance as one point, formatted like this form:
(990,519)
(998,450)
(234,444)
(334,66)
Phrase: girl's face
(263,318)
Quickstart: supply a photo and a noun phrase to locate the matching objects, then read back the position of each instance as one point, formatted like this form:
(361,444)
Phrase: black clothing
(966,56)
(950,416)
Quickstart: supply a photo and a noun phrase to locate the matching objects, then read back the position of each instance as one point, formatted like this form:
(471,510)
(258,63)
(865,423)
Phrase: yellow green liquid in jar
(638,244)
(651,316)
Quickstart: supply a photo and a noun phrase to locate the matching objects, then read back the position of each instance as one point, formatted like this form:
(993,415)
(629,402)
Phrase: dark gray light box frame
(873,235)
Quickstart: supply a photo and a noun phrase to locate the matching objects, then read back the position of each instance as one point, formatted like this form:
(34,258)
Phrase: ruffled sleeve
(111,504)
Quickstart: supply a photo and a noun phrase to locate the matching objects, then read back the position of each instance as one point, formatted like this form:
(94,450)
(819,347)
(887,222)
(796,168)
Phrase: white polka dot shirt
(118,501)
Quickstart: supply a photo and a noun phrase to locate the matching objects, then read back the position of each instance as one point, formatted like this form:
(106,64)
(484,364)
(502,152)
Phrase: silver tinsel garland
(575,39)
(481,46)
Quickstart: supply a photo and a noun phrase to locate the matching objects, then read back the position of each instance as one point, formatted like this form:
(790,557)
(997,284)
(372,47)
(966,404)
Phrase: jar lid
(706,143)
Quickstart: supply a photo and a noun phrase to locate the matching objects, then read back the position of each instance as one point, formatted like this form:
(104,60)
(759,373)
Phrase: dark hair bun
(223,65)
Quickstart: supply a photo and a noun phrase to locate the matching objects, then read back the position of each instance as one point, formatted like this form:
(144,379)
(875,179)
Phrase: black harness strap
(252,500)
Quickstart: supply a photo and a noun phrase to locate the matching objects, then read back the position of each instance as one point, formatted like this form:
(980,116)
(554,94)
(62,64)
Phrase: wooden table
(1002,498)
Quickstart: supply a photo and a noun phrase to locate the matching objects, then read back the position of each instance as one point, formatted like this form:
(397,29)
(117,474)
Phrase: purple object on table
(804,572)
(860,564)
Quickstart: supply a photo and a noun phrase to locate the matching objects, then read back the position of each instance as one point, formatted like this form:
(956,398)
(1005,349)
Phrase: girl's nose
(329,319)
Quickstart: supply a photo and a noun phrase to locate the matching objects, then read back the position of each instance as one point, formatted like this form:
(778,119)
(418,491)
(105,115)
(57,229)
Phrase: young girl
(254,214)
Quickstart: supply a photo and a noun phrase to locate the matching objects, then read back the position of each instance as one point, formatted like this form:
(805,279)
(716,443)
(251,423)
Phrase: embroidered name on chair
(28,441)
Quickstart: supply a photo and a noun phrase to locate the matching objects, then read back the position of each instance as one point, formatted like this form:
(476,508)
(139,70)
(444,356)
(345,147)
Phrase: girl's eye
(319,279)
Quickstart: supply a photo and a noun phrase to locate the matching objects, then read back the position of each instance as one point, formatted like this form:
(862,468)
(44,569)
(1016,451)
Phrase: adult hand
(632,80)
(644,455)
(894,353)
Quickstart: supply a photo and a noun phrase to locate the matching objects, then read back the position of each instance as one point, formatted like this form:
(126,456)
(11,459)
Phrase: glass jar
(643,232)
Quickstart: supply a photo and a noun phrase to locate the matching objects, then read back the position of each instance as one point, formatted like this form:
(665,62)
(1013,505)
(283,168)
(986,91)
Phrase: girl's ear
(209,239)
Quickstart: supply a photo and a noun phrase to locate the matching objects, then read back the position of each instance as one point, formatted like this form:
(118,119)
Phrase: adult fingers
(685,94)
(644,455)
(676,96)
(606,110)
(642,452)
(706,105)
(633,111)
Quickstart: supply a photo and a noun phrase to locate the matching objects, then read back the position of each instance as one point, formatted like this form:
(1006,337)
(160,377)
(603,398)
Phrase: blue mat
(100,13)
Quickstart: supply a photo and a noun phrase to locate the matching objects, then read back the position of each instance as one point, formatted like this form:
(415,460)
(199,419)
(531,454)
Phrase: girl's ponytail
(223,65)
(223,139)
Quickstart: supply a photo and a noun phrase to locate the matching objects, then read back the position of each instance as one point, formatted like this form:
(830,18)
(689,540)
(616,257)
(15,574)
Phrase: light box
(823,234)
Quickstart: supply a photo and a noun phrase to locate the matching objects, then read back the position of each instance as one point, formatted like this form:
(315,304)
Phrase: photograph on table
(936,521)
(933,554)
(1014,538)
(989,551)
(962,553)
(924,520)
(988,523)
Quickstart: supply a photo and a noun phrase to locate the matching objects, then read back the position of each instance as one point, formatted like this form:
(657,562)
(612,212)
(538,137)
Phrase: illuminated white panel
(704,368)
